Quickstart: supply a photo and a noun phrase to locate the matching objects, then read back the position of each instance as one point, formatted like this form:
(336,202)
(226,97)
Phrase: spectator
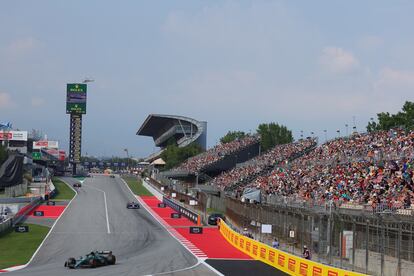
(275,243)
(306,253)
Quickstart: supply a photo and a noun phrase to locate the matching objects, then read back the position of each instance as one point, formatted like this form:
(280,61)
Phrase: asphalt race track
(141,245)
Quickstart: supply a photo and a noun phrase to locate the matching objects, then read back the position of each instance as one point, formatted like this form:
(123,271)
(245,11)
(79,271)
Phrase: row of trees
(272,134)
(174,155)
(386,121)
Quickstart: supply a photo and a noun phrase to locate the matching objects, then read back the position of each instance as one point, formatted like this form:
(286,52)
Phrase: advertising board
(283,261)
(76,98)
(13,135)
(45,144)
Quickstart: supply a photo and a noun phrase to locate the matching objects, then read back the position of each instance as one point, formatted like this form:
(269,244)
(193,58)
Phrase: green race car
(92,260)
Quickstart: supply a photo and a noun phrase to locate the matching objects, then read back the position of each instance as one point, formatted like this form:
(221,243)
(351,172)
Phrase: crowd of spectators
(261,163)
(216,153)
(374,168)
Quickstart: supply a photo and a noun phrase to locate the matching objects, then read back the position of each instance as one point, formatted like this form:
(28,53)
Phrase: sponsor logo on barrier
(196,230)
(161,205)
(21,229)
(52,203)
(263,253)
(272,256)
(255,249)
(332,273)
(38,213)
(281,260)
(236,240)
(316,271)
(241,243)
(291,264)
(303,269)
(248,246)
(232,237)
(175,215)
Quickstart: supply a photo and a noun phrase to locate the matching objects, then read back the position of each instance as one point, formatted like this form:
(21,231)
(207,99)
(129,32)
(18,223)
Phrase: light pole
(339,133)
(326,136)
(354,125)
(346,126)
(301,134)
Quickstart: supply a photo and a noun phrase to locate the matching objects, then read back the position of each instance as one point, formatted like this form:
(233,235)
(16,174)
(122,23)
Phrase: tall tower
(76,107)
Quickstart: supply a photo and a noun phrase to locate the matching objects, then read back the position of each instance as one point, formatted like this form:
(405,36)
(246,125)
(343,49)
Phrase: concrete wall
(17,190)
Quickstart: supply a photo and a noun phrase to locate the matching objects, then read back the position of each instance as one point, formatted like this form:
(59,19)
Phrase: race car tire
(93,263)
(111,260)
(70,263)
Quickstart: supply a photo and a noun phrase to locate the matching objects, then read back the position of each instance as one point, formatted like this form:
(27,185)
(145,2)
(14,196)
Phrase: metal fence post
(366,246)
(303,232)
(399,249)
(341,235)
(353,244)
(382,243)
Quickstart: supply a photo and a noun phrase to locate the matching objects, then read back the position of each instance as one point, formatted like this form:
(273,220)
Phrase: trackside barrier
(26,210)
(182,210)
(283,261)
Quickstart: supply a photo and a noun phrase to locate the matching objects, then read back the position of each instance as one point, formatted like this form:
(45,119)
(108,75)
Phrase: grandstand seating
(260,165)
(208,158)
(374,168)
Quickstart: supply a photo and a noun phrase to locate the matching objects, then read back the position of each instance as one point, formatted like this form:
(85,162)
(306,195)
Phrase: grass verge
(136,186)
(63,192)
(18,248)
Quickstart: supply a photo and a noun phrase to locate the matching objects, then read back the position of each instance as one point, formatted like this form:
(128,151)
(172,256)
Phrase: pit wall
(280,260)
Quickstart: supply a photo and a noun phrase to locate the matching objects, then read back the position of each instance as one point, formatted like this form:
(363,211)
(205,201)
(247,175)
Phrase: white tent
(158,162)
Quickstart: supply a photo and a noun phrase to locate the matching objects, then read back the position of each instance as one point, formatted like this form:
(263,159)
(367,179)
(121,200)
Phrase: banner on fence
(281,260)
(182,210)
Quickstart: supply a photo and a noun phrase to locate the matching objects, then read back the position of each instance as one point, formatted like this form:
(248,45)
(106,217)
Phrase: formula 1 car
(132,205)
(92,260)
(77,185)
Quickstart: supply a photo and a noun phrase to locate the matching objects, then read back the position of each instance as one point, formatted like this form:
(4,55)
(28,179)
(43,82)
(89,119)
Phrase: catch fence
(377,242)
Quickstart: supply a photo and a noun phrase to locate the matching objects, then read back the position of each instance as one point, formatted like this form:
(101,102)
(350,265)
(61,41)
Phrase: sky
(309,65)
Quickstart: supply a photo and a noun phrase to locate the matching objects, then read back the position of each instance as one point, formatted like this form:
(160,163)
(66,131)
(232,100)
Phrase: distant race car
(92,260)
(77,185)
(112,176)
(132,205)
(213,218)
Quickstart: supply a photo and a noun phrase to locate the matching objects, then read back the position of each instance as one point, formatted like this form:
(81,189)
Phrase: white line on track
(50,231)
(200,260)
(106,207)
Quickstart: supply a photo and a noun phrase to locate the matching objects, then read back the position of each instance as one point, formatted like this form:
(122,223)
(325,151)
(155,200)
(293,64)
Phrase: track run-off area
(144,241)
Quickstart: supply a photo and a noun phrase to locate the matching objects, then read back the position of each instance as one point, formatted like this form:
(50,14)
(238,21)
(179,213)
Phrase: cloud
(37,102)
(338,60)
(389,76)
(370,42)
(23,45)
(5,100)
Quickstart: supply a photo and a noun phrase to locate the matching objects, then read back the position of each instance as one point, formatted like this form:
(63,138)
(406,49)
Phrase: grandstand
(184,130)
(221,157)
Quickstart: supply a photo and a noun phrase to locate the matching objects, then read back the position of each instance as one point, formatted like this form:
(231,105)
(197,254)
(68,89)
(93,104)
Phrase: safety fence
(379,243)
(194,217)
(280,260)
(8,223)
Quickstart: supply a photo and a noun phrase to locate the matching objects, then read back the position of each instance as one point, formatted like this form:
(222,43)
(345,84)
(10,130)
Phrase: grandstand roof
(163,127)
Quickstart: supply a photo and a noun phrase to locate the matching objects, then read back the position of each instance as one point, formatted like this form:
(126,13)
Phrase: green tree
(231,136)
(174,155)
(387,121)
(273,134)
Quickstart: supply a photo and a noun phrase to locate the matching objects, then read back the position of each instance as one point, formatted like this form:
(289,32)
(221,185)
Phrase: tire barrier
(288,263)
(194,217)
